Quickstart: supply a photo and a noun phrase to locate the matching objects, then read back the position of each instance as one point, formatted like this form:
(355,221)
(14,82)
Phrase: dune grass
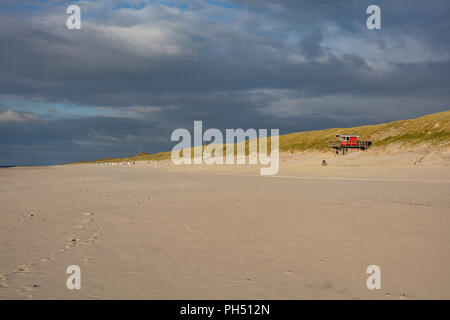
(433,128)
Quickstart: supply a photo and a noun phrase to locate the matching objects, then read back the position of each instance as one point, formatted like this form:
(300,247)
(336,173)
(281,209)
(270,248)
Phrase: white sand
(226,232)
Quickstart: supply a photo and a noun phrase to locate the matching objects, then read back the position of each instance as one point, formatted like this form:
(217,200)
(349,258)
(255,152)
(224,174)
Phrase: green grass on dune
(433,128)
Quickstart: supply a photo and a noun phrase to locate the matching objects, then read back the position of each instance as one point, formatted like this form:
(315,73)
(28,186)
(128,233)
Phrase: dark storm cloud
(293,65)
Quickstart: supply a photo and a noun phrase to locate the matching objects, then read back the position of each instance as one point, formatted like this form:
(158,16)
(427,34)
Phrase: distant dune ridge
(430,133)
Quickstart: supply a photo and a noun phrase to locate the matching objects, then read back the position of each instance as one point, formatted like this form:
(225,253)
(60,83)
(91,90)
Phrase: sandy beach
(149,231)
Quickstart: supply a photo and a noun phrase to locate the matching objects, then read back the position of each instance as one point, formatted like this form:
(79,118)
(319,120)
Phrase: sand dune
(209,232)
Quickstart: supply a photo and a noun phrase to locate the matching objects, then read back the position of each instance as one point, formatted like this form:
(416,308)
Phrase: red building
(346,141)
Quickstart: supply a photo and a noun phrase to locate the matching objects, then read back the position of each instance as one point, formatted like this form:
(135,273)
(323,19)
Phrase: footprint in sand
(26,292)
(22,268)
(3,281)
(48,259)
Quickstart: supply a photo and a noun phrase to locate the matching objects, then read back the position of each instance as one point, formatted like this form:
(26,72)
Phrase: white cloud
(150,39)
(12,116)
(138,111)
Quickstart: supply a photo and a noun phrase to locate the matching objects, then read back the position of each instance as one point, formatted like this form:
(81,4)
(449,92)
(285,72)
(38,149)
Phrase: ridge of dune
(429,134)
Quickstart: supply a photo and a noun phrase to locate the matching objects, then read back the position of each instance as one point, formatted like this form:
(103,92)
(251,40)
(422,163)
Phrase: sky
(137,70)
